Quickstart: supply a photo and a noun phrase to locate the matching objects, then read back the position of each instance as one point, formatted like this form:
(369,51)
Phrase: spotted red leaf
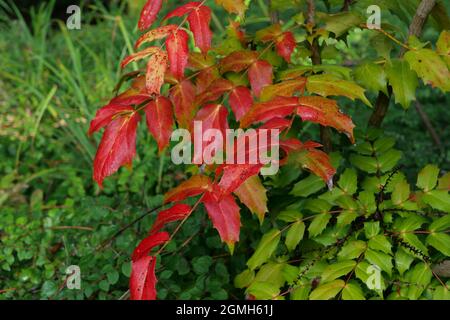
(178,50)
(149,14)
(146,245)
(241,101)
(139,55)
(182,10)
(199,20)
(117,147)
(156,34)
(174,213)
(160,121)
(192,187)
(285,45)
(199,17)
(182,96)
(143,279)
(260,75)
(156,69)
(326,112)
(278,107)
(224,214)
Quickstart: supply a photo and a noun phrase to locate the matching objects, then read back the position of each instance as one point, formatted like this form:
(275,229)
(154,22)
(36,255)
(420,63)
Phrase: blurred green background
(52,81)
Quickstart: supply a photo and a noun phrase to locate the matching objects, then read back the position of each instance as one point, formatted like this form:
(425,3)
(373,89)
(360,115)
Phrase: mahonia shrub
(273,77)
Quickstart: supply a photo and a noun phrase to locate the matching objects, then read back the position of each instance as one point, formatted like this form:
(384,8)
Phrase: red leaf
(285,45)
(160,120)
(117,147)
(199,17)
(199,20)
(149,14)
(178,50)
(293,144)
(317,162)
(156,69)
(146,245)
(175,213)
(189,188)
(225,217)
(326,112)
(214,91)
(276,108)
(285,89)
(253,194)
(130,98)
(106,114)
(241,101)
(260,75)
(205,78)
(143,279)
(213,116)
(238,61)
(139,55)
(277,123)
(182,10)
(236,174)
(156,34)
(182,96)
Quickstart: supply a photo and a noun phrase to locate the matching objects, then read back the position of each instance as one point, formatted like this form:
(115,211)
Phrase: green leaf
(438,199)
(443,223)
(318,224)
(336,270)
(339,23)
(371,76)
(414,241)
(430,67)
(352,249)
(201,264)
(440,241)
(403,260)
(387,161)
(104,285)
(263,290)
(427,178)
(271,272)
(294,235)
(371,229)
(243,279)
(348,181)
(327,291)
(308,186)
(382,260)
(441,293)
(364,163)
(113,277)
(400,193)
(380,243)
(421,276)
(289,216)
(352,291)
(265,249)
(403,81)
(301,293)
(443,46)
(328,85)
(383,144)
